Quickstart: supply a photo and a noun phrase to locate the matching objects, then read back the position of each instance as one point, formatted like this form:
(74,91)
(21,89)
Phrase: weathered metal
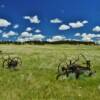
(11,62)
(74,67)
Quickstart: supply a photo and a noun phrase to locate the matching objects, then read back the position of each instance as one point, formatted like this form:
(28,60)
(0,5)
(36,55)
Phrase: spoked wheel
(59,68)
(62,70)
(18,60)
(5,63)
(12,62)
(62,67)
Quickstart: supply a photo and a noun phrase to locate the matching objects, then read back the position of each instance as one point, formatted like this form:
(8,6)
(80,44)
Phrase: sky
(50,20)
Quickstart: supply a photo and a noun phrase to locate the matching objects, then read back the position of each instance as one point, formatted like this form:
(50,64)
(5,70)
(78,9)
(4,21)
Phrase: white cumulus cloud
(37,31)
(78,24)
(85,22)
(56,20)
(77,34)
(96,29)
(4,23)
(33,19)
(64,27)
(1,31)
(97,35)
(38,37)
(19,39)
(28,29)
(89,36)
(98,42)
(56,38)
(9,34)
(15,26)
(26,35)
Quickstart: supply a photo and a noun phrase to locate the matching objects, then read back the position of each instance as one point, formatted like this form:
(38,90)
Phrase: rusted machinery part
(18,59)
(5,63)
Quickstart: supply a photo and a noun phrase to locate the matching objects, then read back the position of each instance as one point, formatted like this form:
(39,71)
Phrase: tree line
(45,42)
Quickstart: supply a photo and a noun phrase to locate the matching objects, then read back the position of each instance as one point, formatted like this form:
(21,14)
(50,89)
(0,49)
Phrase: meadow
(36,78)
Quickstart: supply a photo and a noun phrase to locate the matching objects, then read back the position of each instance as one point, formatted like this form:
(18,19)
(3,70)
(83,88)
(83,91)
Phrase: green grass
(35,79)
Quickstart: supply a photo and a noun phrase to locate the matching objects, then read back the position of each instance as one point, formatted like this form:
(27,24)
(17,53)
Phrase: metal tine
(61,61)
(73,61)
(66,60)
(84,57)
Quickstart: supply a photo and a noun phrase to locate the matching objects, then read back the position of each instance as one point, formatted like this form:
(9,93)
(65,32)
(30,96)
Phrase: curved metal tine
(70,61)
(59,67)
(75,60)
(18,59)
(4,61)
(61,61)
(84,57)
(67,61)
(8,58)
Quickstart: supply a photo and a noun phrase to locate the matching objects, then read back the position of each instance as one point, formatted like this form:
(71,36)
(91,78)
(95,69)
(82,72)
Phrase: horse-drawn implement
(74,67)
(11,62)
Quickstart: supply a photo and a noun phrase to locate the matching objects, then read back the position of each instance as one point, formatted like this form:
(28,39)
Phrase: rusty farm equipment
(74,67)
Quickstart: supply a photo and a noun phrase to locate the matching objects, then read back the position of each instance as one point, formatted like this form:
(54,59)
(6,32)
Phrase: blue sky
(50,20)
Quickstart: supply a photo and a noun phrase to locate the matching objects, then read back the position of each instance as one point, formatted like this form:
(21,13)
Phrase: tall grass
(35,79)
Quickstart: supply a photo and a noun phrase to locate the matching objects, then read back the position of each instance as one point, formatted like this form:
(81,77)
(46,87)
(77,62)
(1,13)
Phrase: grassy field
(36,78)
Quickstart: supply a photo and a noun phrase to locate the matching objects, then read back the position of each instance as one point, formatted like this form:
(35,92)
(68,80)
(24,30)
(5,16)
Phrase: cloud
(28,29)
(34,19)
(4,23)
(56,38)
(1,31)
(20,39)
(15,26)
(98,42)
(89,37)
(96,29)
(56,21)
(85,22)
(38,37)
(75,40)
(26,35)
(9,34)
(64,27)
(77,34)
(78,24)
(97,35)
(5,35)
(37,31)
